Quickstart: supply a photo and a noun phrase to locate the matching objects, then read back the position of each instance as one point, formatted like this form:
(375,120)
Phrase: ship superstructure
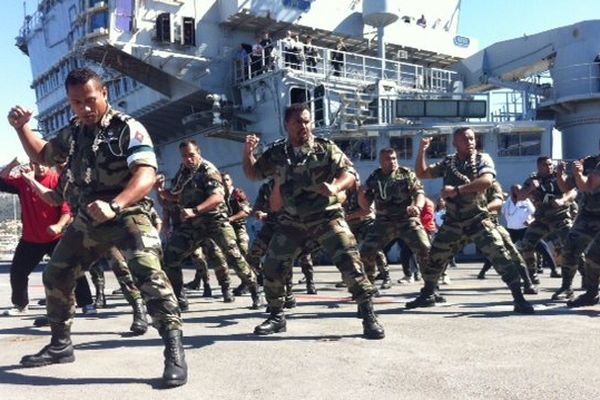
(194,68)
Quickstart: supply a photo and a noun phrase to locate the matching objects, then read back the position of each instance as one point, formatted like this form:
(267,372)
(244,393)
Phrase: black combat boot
(386,280)
(100,301)
(59,351)
(426,297)
(139,326)
(256,297)
(528,286)
(274,324)
(372,329)
(240,290)
(227,295)
(175,373)
(533,275)
(290,299)
(207,290)
(193,285)
(564,292)
(182,300)
(589,298)
(522,306)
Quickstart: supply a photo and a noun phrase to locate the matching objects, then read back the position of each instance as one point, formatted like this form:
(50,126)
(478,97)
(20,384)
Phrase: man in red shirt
(42,228)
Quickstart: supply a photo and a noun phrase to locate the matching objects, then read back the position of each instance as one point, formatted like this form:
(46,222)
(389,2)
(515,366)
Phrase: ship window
(299,95)
(99,21)
(516,144)
(403,146)
(358,148)
(438,147)
(163,27)
(319,95)
(188,34)
(479,143)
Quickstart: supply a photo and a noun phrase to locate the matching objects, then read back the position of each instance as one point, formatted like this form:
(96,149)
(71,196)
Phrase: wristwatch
(115,207)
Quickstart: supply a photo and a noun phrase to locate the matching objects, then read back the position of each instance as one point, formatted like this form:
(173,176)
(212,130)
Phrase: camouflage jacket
(192,187)
(543,197)
(456,172)
(99,159)
(302,171)
(393,193)
(237,201)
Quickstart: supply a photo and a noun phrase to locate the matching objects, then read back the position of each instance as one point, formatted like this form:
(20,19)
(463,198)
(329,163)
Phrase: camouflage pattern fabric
(238,201)
(302,171)
(99,164)
(334,236)
(454,171)
(210,254)
(360,228)
(115,261)
(194,187)
(85,241)
(557,227)
(307,215)
(543,197)
(392,194)
(467,220)
(584,237)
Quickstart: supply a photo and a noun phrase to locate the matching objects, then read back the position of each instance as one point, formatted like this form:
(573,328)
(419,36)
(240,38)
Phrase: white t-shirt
(517,215)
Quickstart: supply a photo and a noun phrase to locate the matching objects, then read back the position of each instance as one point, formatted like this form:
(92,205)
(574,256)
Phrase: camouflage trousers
(85,241)
(583,238)
(243,240)
(360,228)
(210,254)
(452,237)
(541,229)
(384,231)
(115,261)
(261,244)
(332,233)
(187,237)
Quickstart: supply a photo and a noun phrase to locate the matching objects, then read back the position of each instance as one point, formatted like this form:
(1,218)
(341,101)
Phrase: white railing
(332,64)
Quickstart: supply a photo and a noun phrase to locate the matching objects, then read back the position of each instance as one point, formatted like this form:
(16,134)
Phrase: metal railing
(576,79)
(331,64)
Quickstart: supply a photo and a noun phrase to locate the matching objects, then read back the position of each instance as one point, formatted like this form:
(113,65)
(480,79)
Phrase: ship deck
(472,347)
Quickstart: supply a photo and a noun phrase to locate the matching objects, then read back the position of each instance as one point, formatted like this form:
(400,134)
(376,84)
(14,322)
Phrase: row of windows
(509,145)
(56,120)
(55,77)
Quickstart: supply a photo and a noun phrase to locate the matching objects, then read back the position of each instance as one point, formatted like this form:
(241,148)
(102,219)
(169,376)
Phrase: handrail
(331,64)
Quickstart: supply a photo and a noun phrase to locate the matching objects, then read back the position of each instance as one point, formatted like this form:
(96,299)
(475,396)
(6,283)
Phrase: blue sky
(487,20)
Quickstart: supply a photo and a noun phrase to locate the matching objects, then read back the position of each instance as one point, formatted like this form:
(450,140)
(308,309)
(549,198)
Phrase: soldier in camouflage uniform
(238,209)
(263,211)
(360,221)
(467,175)
(495,198)
(312,171)
(111,166)
(551,217)
(399,199)
(199,193)
(584,237)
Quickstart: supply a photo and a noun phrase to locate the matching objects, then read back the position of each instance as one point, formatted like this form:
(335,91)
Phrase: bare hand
(578,167)
(187,213)
(19,116)
(561,168)
(251,144)
(100,211)
(54,230)
(328,189)
(425,143)
(28,174)
(449,192)
(261,216)
(535,183)
(413,211)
